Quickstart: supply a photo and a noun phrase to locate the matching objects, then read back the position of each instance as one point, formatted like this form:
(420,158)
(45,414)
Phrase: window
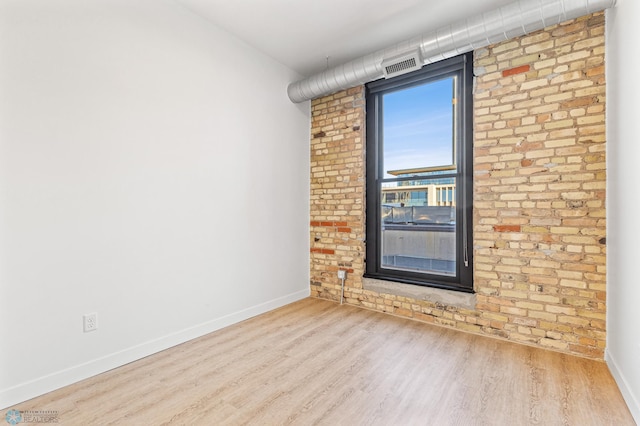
(419,176)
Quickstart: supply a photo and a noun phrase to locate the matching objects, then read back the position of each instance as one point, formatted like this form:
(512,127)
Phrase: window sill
(434,295)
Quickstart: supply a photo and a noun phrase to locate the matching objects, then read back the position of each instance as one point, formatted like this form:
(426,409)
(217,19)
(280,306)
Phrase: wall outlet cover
(90,322)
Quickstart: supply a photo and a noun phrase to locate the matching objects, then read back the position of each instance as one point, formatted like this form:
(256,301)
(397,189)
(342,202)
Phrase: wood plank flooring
(317,362)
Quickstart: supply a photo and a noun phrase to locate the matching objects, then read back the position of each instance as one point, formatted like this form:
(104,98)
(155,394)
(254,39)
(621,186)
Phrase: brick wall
(539,195)
(337,190)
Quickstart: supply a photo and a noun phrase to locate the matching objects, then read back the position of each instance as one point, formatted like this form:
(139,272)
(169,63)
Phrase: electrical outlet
(90,322)
(342,274)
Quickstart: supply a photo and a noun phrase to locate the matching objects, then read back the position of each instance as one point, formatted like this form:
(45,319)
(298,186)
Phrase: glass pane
(418,226)
(418,128)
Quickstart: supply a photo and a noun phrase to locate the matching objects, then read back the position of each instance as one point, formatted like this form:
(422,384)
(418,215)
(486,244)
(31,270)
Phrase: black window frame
(462,66)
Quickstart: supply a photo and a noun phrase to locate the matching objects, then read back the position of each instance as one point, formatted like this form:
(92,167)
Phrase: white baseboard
(25,391)
(627,393)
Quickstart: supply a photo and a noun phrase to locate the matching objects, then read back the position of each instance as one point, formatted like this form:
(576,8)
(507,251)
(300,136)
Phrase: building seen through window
(433,192)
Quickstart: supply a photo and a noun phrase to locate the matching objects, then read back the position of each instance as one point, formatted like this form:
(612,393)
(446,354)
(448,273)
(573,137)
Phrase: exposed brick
(539,195)
(322,250)
(507,228)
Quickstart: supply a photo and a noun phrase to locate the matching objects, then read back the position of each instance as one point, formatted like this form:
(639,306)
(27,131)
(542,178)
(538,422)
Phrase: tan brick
(555,344)
(530,306)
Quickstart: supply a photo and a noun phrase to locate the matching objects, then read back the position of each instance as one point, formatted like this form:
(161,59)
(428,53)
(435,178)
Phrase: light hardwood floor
(317,362)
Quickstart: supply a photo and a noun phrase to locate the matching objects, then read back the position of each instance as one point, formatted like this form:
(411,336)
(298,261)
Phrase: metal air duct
(513,20)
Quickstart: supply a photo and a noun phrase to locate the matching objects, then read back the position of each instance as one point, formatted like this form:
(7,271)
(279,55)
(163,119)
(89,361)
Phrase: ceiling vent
(402,64)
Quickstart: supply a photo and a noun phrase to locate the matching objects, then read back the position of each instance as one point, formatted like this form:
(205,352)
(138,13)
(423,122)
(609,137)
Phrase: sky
(418,126)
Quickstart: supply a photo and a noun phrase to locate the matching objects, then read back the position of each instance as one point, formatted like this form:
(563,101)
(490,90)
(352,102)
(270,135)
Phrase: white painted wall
(623,201)
(152,170)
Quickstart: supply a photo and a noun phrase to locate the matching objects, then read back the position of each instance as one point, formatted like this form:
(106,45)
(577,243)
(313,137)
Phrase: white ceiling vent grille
(402,64)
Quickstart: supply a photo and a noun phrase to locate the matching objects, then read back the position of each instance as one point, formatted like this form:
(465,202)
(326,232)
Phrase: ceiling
(302,34)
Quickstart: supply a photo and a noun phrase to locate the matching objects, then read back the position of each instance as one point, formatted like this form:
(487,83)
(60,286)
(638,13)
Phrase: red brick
(506,228)
(516,70)
(322,250)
